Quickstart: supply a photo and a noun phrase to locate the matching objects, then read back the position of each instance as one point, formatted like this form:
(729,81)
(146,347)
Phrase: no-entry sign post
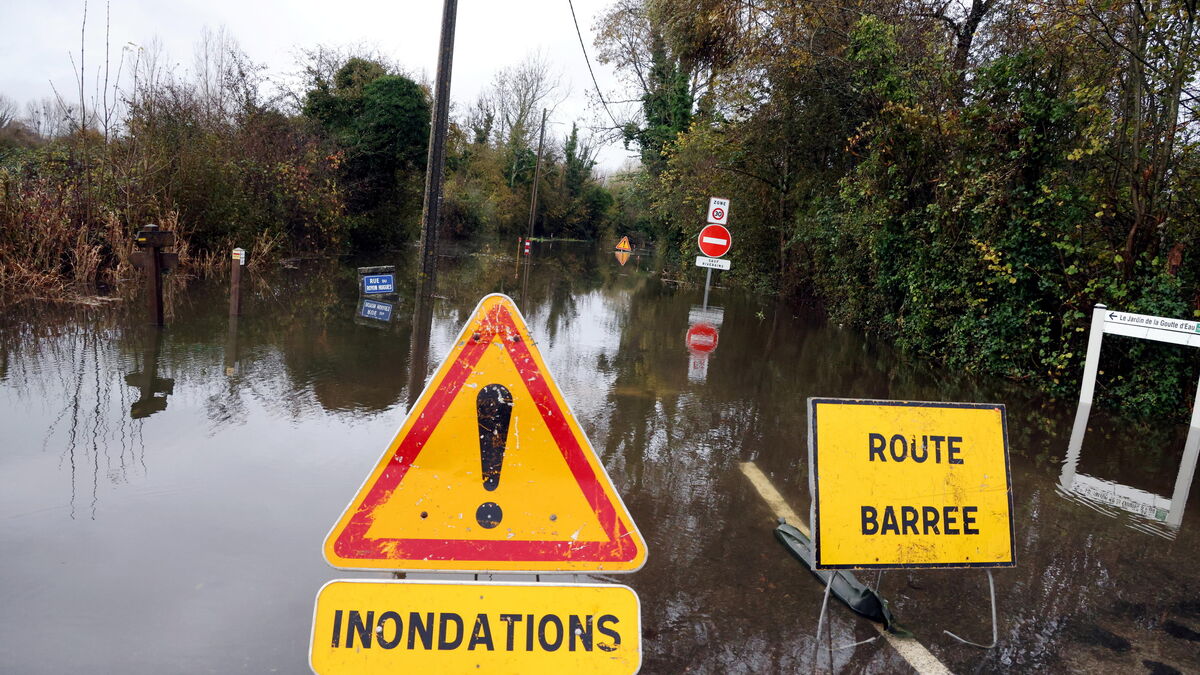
(714,241)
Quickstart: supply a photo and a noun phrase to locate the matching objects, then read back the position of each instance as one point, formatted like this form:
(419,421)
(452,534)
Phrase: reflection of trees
(68,358)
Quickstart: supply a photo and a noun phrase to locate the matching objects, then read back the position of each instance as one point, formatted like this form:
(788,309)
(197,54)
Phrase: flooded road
(166,494)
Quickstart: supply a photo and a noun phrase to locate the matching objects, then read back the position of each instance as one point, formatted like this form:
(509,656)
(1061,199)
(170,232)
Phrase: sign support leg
(707,281)
(1087,389)
(820,623)
(995,634)
(1187,467)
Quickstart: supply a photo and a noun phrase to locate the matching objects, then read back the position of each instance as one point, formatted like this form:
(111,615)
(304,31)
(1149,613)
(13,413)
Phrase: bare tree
(47,118)
(519,93)
(8,111)
(219,73)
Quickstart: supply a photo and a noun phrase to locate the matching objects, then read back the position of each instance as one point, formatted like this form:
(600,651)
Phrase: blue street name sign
(379,283)
(373,309)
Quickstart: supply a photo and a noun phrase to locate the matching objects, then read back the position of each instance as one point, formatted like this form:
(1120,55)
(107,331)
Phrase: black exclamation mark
(493,405)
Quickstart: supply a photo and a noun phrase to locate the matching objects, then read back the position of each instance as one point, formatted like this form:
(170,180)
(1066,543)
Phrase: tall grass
(206,157)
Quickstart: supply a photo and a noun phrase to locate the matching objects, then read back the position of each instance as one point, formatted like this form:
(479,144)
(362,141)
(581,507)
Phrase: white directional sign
(713,263)
(718,210)
(1162,329)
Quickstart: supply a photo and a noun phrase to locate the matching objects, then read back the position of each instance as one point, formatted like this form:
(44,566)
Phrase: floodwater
(166,493)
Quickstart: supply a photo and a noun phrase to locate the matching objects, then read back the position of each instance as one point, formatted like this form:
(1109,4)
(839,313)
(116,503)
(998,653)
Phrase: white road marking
(910,649)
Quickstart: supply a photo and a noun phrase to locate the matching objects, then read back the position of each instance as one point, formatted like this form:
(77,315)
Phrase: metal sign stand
(991,589)
(878,579)
(995,633)
(816,639)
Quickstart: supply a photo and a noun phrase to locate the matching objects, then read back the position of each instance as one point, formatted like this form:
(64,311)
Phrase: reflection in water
(147,381)
(231,346)
(521,301)
(418,362)
(374,313)
(1160,516)
(703,335)
(262,459)
(68,363)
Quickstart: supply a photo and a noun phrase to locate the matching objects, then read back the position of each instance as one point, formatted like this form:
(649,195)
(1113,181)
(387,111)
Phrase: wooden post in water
(154,290)
(235,282)
(153,262)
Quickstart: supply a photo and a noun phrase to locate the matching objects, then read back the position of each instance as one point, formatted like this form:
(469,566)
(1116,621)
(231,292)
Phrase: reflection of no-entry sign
(714,241)
(702,338)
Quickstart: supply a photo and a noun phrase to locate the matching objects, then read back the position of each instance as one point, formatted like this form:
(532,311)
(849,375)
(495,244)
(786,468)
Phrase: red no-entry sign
(701,338)
(714,241)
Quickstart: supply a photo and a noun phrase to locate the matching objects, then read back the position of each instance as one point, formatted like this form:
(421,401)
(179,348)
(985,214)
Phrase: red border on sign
(353,544)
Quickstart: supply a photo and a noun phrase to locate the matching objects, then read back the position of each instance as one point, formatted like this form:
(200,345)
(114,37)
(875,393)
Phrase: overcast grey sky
(40,37)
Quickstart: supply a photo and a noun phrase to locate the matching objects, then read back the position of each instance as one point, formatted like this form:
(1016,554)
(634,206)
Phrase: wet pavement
(166,493)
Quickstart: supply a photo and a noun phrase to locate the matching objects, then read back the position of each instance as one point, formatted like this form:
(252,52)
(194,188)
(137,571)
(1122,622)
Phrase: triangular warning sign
(489,472)
(623,245)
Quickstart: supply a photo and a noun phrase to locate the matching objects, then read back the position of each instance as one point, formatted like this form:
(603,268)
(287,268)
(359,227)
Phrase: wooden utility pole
(537,176)
(436,164)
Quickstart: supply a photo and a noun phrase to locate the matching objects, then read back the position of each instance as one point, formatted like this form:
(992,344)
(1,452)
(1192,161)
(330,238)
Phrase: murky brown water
(165,494)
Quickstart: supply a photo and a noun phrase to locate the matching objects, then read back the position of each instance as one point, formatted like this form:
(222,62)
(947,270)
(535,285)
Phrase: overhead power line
(589,66)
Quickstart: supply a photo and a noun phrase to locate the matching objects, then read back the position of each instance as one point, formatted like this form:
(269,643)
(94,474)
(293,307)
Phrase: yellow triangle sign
(623,245)
(489,472)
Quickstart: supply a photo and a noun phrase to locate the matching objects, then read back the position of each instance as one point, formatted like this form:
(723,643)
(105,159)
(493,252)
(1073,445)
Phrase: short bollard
(235,282)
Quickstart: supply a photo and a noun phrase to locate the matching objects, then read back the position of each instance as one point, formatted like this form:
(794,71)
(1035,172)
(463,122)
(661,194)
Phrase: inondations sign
(909,484)
(490,472)
(365,627)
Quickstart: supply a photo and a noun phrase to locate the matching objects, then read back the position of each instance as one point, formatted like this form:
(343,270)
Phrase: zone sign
(718,210)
